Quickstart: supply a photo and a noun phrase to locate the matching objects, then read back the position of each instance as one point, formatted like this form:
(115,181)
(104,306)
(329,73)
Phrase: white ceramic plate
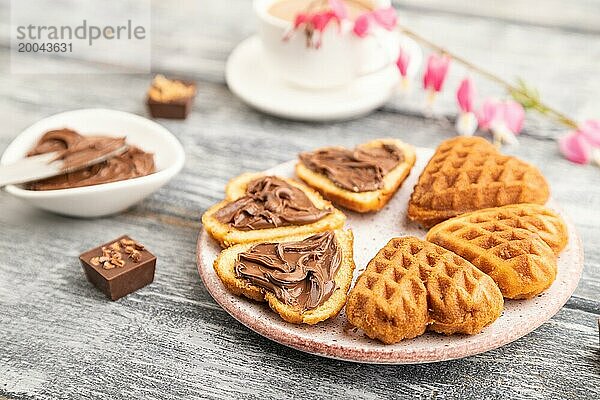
(252,81)
(107,198)
(337,339)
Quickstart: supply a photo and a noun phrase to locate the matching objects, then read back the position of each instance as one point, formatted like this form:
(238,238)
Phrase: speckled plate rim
(386,354)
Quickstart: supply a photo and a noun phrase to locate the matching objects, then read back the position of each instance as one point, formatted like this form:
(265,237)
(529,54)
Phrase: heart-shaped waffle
(516,245)
(467,174)
(412,285)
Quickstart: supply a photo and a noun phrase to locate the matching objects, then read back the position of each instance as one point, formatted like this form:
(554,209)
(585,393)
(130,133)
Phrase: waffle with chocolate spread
(304,278)
(259,207)
(363,179)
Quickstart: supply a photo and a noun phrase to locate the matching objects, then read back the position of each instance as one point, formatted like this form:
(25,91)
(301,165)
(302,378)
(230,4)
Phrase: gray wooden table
(60,338)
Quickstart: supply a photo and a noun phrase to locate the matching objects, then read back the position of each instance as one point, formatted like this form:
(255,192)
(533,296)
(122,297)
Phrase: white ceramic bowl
(108,198)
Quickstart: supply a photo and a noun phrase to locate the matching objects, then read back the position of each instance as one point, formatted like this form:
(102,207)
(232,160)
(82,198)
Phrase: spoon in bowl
(55,163)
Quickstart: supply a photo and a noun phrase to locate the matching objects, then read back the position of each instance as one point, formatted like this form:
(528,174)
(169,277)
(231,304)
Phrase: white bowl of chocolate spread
(154,157)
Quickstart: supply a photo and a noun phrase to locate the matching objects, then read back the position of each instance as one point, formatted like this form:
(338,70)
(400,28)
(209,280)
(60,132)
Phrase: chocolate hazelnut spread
(74,147)
(300,274)
(270,202)
(358,170)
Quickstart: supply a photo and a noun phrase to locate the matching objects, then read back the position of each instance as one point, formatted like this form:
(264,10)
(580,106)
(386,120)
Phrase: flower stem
(533,101)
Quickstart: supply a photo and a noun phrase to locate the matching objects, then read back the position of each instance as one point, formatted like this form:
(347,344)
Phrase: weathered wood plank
(578,16)
(171,340)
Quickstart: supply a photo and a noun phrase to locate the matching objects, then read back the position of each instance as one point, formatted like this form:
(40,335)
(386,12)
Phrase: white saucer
(252,81)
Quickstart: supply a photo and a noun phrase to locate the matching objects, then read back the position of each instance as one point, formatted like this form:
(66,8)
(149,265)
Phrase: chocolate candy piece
(169,98)
(119,267)
(178,110)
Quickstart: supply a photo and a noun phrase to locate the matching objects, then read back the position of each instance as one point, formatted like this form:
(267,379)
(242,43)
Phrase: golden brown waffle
(515,245)
(412,285)
(467,174)
(532,217)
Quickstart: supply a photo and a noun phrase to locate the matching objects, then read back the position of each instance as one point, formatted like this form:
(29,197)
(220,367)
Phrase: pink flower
(361,25)
(386,17)
(339,9)
(301,19)
(590,129)
(504,118)
(514,116)
(488,112)
(319,21)
(435,74)
(466,123)
(313,26)
(575,147)
(466,95)
(578,146)
(494,112)
(403,62)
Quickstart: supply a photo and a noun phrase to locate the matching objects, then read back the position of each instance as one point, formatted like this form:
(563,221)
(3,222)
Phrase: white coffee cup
(341,58)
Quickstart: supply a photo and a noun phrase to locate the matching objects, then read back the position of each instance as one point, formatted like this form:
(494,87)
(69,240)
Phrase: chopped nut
(127,242)
(118,263)
(113,254)
(136,256)
(167,90)
(108,265)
